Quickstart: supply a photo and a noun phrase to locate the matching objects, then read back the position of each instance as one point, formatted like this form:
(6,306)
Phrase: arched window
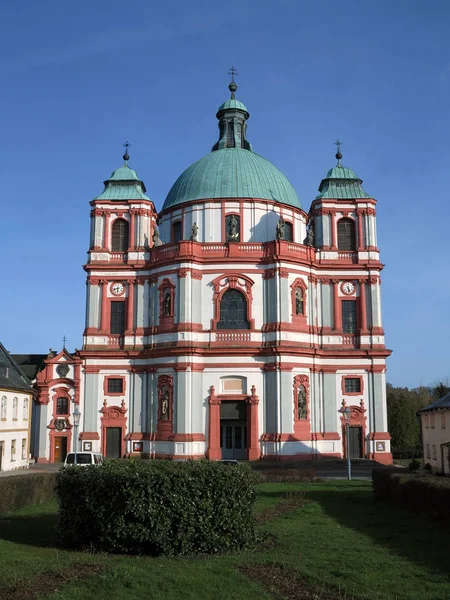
(25,409)
(119,236)
(288,233)
(346,234)
(15,408)
(233,311)
(62,406)
(177,231)
(3,409)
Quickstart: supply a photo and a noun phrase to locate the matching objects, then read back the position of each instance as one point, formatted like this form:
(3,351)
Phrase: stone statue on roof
(194,232)
(280,229)
(156,239)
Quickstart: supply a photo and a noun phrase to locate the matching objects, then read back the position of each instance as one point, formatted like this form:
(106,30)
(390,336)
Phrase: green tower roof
(341,183)
(123,184)
(232,169)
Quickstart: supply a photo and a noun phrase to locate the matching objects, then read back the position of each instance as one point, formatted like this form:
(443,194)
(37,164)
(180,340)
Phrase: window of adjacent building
(117,324)
(3,410)
(426,421)
(25,409)
(352,385)
(233,311)
(24,448)
(177,231)
(346,234)
(349,316)
(443,420)
(13,449)
(62,406)
(15,408)
(119,241)
(233,228)
(434,452)
(115,385)
(288,231)
(428,451)
(432,421)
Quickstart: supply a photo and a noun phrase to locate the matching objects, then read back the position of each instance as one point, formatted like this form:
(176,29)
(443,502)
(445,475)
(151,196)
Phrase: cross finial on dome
(232,87)
(126,156)
(338,143)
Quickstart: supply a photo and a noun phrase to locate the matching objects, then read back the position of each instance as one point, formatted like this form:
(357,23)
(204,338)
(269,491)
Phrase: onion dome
(341,183)
(123,184)
(232,169)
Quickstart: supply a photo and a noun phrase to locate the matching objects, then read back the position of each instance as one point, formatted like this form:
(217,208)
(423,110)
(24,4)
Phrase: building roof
(11,376)
(341,183)
(232,169)
(232,173)
(30,364)
(123,184)
(443,402)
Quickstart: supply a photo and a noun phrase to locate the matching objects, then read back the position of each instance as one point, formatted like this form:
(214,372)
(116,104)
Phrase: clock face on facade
(348,287)
(117,288)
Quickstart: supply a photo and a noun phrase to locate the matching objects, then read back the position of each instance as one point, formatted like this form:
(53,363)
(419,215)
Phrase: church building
(231,324)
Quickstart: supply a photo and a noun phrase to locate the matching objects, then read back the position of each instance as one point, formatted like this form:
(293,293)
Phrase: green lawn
(341,539)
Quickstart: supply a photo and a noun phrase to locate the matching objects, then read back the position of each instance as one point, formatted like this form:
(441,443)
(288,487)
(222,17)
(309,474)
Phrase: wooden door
(355,442)
(60,448)
(113,442)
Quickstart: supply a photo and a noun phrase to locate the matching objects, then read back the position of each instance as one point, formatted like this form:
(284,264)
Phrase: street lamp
(76,421)
(346,413)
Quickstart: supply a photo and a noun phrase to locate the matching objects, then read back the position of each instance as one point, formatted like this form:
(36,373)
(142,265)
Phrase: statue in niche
(280,229)
(232,234)
(309,239)
(298,301)
(302,412)
(165,404)
(194,232)
(156,239)
(167,303)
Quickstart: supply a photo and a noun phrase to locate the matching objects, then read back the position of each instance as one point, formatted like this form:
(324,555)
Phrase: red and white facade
(174,384)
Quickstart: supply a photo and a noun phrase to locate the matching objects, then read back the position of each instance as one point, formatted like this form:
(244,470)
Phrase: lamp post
(346,413)
(76,421)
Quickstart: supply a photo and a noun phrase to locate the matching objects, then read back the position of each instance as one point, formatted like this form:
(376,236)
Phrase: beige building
(15,414)
(435,421)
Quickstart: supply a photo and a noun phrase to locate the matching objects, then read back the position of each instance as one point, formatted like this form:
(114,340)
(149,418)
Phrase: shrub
(414,465)
(422,494)
(156,507)
(18,491)
(428,467)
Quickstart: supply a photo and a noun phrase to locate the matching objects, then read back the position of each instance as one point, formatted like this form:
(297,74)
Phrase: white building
(239,327)
(15,414)
(435,422)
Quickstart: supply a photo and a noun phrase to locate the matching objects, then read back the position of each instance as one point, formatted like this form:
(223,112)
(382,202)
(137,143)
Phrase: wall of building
(15,430)
(435,433)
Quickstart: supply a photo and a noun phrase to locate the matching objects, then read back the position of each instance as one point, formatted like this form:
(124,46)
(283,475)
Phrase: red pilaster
(337,325)
(360,214)
(253,402)
(104,316)
(214,451)
(132,242)
(107,229)
(363,308)
(130,307)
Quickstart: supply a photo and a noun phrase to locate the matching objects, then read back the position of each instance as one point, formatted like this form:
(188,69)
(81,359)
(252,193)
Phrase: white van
(84,459)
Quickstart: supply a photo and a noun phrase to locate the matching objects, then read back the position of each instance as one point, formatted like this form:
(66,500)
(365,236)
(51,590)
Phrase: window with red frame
(352,385)
(115,385)
(62,406)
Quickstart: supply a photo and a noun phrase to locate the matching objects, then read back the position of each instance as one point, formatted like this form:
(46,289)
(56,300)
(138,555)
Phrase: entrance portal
(355,442)
(233,430)
(113,442)
(60,448)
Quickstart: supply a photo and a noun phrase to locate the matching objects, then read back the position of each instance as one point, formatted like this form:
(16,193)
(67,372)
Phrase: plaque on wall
(138,446)
(380,446)
(87,446)
(62,370)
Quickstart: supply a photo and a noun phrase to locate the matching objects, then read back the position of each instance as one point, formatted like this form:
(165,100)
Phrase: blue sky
(78,79)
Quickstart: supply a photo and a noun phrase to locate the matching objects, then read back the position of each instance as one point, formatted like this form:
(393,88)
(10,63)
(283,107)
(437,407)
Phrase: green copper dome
(232,173)
(232,170)
(341,183)
(123,184)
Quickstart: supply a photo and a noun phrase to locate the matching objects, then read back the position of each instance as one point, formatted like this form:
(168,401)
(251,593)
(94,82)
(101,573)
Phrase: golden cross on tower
(338,143)
(126,156)
(232,87)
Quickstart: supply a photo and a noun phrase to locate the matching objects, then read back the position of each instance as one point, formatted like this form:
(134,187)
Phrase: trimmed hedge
(422,494)
(156,507)
(18,491)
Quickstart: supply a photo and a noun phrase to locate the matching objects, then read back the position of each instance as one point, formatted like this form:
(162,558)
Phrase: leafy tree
(403,422)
